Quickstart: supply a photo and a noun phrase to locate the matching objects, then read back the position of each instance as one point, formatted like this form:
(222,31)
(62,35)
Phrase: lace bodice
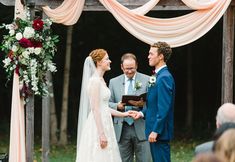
(103,93)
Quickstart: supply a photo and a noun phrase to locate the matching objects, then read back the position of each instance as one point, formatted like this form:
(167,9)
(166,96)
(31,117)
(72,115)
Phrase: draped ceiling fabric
(177,31)
(17,129)
(67,13)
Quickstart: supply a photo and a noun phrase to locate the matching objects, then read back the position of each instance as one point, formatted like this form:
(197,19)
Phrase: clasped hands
(134,114)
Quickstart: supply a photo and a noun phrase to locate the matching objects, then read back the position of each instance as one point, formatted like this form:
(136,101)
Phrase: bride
(96,141)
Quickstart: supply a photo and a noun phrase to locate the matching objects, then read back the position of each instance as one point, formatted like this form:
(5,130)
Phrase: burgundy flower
(25,43)
(38,24)
(37,44)
(25,91)
(153,72)
(11,55)
(17,70)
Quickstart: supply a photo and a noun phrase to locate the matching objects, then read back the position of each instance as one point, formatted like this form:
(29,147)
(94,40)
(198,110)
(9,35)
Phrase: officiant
(130,133)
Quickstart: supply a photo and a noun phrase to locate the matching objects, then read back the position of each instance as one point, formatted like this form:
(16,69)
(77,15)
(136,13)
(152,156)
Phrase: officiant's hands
(121,106)
(103,141)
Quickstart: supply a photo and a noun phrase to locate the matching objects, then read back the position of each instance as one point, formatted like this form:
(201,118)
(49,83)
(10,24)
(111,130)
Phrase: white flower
(48,21)
(30,49)
(6,62)
(10,26)
(152,80)
(51,67)
(14,48)
(138,85)
(28,32)
(19,36)
(12,32)
(37,50)
(25,54)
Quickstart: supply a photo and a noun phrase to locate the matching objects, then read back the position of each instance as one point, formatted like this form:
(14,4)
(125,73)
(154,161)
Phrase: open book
(126,98)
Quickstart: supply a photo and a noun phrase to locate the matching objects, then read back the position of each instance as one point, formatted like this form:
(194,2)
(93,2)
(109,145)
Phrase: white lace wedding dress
(89,149)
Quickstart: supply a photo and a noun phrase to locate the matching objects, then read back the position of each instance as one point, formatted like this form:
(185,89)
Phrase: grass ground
(181,151)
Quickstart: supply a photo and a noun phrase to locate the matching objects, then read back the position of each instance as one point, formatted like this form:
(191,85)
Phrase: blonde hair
(207,157)
(225,145)
(97,55)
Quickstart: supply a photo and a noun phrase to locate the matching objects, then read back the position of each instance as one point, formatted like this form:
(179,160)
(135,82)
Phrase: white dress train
(89,149)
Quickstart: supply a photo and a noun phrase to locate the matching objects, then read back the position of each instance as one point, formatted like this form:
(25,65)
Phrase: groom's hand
(153,137)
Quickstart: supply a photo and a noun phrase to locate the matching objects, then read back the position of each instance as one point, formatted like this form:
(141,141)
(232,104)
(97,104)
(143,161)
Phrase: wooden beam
(227,58)
(94,5)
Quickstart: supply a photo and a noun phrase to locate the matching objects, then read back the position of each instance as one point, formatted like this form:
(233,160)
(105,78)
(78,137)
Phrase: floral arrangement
(152,80)
(138,85)
(30,47)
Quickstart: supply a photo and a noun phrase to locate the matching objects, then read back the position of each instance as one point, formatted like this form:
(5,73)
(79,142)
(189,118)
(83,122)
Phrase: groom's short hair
(164,49)
(127,56)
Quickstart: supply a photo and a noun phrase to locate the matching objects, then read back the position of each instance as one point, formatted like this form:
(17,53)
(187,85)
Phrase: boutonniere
(152,80)
(138,85)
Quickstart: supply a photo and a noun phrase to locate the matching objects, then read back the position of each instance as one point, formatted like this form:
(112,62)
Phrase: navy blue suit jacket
(158,112)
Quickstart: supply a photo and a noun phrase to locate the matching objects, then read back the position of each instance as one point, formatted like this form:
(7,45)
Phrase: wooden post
(30,107)
(30,129)
(227,57)
(46,125)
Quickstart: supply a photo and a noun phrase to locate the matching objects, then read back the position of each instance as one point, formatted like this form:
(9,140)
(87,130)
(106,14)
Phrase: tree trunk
(64,113)
(53,118)
(189,90)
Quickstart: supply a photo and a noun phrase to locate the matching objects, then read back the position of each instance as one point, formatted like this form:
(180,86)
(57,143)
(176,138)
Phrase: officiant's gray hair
(128,56)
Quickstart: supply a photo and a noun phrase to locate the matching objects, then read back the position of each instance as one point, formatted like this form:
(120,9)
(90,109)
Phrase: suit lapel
(136,79)
(122,82)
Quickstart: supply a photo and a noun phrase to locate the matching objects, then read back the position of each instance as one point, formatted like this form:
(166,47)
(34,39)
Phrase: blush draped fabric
(67,13)
(177,31)
(17,130)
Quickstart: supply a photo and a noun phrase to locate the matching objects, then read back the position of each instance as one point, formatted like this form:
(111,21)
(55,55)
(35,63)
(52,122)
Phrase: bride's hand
(103,141)
(125,114)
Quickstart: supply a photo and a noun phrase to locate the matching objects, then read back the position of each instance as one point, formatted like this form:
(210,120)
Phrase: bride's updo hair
(97,55)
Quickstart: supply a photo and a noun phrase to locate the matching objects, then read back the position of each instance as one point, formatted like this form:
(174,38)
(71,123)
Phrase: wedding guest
(130,134)
(225,114)
(225,146)
(207,157)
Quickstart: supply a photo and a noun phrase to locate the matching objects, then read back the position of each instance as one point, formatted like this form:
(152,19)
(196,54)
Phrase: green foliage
(181,151)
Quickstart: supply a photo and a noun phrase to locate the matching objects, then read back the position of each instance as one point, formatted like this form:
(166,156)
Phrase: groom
(158,112)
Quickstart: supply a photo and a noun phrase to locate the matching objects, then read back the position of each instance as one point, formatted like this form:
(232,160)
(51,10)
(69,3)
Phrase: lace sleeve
(94,97)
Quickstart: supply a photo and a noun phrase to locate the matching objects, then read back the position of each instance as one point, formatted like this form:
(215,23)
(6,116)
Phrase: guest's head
(101,59)
(226,113)
(207,157)
(159,54)
(129,64)
(225,146)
